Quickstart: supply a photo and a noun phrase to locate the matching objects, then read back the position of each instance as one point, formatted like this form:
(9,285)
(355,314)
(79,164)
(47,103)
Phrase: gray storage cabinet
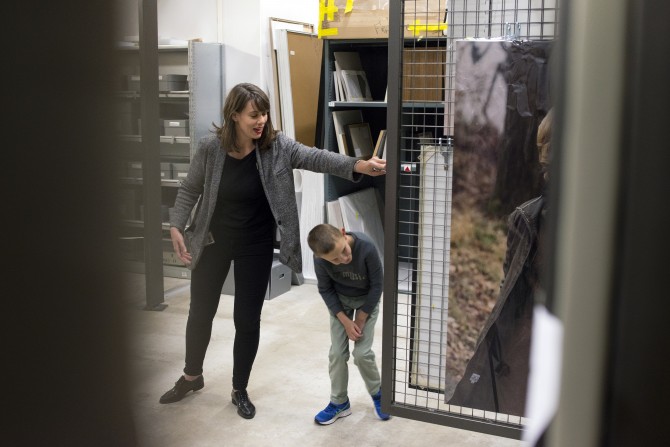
(172,82)
(179,171)
(175,128)
(280,281)
(166,82)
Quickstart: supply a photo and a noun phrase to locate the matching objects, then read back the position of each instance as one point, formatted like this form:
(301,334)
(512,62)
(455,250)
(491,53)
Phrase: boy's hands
(353,331)
(354,327)
(361,318)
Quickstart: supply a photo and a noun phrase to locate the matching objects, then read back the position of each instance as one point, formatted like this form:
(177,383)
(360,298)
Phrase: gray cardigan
(276,164)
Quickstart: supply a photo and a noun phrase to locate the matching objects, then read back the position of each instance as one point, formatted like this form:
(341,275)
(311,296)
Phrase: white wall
(190,19)
(306,11)
(242,26)
(246,36)
(241,36)
(177,19)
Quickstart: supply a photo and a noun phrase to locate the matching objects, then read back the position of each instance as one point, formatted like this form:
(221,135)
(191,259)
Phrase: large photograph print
(502,94)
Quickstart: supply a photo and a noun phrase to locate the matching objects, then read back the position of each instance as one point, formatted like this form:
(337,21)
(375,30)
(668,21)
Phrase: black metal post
(153,231)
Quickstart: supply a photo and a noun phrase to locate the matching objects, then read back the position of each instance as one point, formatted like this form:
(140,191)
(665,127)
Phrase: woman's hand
(179,246)
(373,167)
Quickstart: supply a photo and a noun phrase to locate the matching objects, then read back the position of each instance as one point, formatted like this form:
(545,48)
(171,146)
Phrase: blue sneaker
(377,399)
(332,412)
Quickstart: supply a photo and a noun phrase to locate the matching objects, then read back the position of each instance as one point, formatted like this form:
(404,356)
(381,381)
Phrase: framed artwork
(381,145)
(360,140)
(341,119)
(501,95)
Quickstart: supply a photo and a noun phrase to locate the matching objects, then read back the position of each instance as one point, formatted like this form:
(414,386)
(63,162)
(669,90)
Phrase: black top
(242,208)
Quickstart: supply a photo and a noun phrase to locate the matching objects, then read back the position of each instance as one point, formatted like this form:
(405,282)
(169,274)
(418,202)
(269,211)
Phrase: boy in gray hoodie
(350,277)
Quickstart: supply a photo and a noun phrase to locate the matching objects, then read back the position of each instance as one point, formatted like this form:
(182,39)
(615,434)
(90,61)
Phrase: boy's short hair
(322,238)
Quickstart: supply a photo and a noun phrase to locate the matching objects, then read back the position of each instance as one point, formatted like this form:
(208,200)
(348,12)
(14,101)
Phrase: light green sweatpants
(364,357)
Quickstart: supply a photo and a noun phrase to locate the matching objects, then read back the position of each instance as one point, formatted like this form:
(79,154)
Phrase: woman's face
(250,121)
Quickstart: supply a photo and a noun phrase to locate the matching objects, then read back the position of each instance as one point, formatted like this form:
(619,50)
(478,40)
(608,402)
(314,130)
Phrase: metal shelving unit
(201,104)
(361,104)
(373,54)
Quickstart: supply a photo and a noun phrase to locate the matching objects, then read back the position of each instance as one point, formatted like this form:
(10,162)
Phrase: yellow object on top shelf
(365,19)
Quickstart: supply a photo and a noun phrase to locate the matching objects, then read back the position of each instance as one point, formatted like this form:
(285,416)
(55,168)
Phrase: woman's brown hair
(236,101)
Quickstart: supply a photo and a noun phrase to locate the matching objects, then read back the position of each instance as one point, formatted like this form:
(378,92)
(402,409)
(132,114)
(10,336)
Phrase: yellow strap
(417,27)
(327,10)
(328,32)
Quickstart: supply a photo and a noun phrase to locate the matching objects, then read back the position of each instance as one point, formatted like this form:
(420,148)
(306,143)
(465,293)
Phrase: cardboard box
(175,128)
(166,171)
(423,74)
(280,281)
(139,126)
(132,248)
(229,284)
(165,213)
(133,83)
(127,204)
(179,171)
(169,256)
(166,82)
(134,169)
(172,82)
(367,21)
(125,124)
(125,118)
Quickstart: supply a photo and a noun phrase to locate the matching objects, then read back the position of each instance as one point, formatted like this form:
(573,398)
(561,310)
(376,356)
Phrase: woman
(241,179)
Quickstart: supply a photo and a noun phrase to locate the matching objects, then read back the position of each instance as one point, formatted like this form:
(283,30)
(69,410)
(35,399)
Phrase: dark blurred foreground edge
(65,365)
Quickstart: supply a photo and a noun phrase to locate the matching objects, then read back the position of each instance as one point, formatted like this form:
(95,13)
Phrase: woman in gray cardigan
(240,183)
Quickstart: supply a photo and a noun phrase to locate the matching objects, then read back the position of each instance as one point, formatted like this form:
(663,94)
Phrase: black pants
(252,266)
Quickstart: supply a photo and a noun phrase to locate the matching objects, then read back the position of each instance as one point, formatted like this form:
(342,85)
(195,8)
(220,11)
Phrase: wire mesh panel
(450,214)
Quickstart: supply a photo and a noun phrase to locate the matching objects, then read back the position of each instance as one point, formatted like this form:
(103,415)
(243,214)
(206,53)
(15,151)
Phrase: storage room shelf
(383,104)
(169,183)
(170,147)
(140,224)
(164,139)
(181,94)
(128,46)
(170,271)
(357,104)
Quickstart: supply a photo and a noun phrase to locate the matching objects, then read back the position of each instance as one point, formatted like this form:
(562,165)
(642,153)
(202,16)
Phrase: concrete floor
(289,383)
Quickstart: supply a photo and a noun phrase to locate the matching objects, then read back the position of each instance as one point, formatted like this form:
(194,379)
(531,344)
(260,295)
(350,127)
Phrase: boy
(350,278)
